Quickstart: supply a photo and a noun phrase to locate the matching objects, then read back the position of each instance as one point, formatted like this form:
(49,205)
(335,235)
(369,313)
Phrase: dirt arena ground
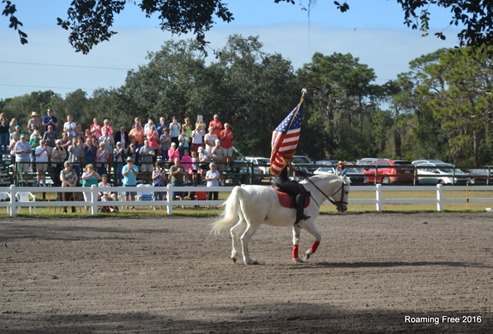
(372,273)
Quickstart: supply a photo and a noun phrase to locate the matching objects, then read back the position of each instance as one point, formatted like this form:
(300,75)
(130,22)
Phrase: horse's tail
(230,214)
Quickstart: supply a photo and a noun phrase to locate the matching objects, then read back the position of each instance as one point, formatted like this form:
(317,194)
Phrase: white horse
(249,206)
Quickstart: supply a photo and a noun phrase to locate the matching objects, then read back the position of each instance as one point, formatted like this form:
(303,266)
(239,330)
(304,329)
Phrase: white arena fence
(12,198)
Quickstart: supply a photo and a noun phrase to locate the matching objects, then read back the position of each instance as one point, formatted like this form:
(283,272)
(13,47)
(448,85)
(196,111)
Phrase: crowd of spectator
(68,152)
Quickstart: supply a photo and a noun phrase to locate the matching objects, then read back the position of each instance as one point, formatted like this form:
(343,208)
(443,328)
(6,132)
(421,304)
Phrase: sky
(372,31)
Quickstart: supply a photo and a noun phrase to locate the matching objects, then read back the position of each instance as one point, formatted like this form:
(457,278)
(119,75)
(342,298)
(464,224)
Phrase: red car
(387,171)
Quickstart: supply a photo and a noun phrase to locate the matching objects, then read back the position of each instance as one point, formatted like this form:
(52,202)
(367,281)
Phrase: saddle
(288,202)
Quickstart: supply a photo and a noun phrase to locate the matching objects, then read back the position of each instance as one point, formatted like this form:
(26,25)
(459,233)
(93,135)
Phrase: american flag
(285,139)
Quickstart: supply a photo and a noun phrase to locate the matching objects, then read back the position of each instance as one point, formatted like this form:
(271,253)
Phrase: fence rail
(13,197)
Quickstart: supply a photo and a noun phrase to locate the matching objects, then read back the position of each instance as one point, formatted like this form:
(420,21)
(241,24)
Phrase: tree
(90,21)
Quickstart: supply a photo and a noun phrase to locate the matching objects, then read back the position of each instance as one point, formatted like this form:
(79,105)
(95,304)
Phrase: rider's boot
(300,214)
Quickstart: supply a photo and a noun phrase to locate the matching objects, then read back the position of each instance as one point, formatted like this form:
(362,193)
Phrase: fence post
(378,195)
(169,199)
(439,197)
(12,200)
(94,199)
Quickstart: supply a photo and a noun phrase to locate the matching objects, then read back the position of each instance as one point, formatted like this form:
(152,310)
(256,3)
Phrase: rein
(331,200)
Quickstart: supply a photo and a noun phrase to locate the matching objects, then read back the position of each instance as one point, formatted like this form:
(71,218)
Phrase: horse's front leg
(235,232)
(296,241)
(245,239)
(310,228)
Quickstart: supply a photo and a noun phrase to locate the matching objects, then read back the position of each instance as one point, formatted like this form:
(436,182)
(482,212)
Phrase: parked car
(240,173)
(417,162)
(388,171)
(303,163)
(354,174)
(441,173)
(368,161)
(482,175)
(261,162)
(327,162)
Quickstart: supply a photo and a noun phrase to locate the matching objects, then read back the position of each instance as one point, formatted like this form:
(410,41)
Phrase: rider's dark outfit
(295,190)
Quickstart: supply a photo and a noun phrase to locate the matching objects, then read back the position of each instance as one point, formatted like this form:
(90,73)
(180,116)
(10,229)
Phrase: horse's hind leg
(312,229)
(236,231)
(296,241)
(245,239)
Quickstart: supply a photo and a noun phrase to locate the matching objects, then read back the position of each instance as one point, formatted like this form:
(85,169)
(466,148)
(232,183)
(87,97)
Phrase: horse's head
(342,195)
(334,188)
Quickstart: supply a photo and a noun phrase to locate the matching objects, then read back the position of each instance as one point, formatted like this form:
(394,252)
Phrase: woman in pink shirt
(173,152)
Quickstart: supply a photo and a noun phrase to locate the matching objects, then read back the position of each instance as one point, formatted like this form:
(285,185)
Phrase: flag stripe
(285,139)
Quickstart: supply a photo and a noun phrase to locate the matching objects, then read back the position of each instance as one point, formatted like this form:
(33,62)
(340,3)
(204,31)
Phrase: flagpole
(302,100)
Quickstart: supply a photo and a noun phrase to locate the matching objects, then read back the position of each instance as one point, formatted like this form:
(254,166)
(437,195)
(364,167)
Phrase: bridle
(330,198)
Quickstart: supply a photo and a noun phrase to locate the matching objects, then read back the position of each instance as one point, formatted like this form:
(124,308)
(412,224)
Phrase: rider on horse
(295,190)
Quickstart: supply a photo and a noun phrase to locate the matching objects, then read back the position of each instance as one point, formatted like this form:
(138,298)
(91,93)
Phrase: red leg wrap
(314,247)
(295,251)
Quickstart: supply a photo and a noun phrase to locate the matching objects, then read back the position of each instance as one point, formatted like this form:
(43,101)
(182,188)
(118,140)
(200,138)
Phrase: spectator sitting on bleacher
(106,195)
(205,157)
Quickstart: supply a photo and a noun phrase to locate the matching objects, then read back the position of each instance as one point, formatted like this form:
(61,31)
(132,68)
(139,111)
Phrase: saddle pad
(286,200)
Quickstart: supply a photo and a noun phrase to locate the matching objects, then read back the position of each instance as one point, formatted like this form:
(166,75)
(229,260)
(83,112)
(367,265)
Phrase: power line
(68,66)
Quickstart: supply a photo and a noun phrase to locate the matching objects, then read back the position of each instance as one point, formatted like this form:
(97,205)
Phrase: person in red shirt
(226,137)
(216,125)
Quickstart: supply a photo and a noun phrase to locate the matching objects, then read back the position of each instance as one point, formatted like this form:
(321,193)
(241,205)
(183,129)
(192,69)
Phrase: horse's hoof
(297,260)
(234,259)
(307,256)
(252,262)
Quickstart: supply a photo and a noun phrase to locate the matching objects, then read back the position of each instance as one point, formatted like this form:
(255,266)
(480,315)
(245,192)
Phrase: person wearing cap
(34,123)
(22,151)
(341,169)
(129,173)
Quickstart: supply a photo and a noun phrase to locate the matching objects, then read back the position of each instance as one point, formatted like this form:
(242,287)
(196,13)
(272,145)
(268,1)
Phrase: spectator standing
(177,176)
(107,125)
(4,132)
(89,178)
(210,139)
(183,141)
(68,178)
(205,158)
(95,128)
(165,144)
(76,154)
(22,151)
(146,156)
(50,119)
(108,141)
(58,157)
(14,128)
(173,152)
(212,178)
(34,123)
(197,138)
(136,135)
(218,155)
(70,127)
(161,126)
(42,157)
(130,172)
(50,138)
(66,141)
(34,141)
(122,137)
(226,137)
(119,158)
(153,138)
(158,180)
(106,195)
(174,130)
(216,125)
(186,162)
(90,151)
(102,158)
(341,169)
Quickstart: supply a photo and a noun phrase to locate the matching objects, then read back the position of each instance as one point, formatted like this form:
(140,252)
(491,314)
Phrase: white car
(440,173)
(261,162)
